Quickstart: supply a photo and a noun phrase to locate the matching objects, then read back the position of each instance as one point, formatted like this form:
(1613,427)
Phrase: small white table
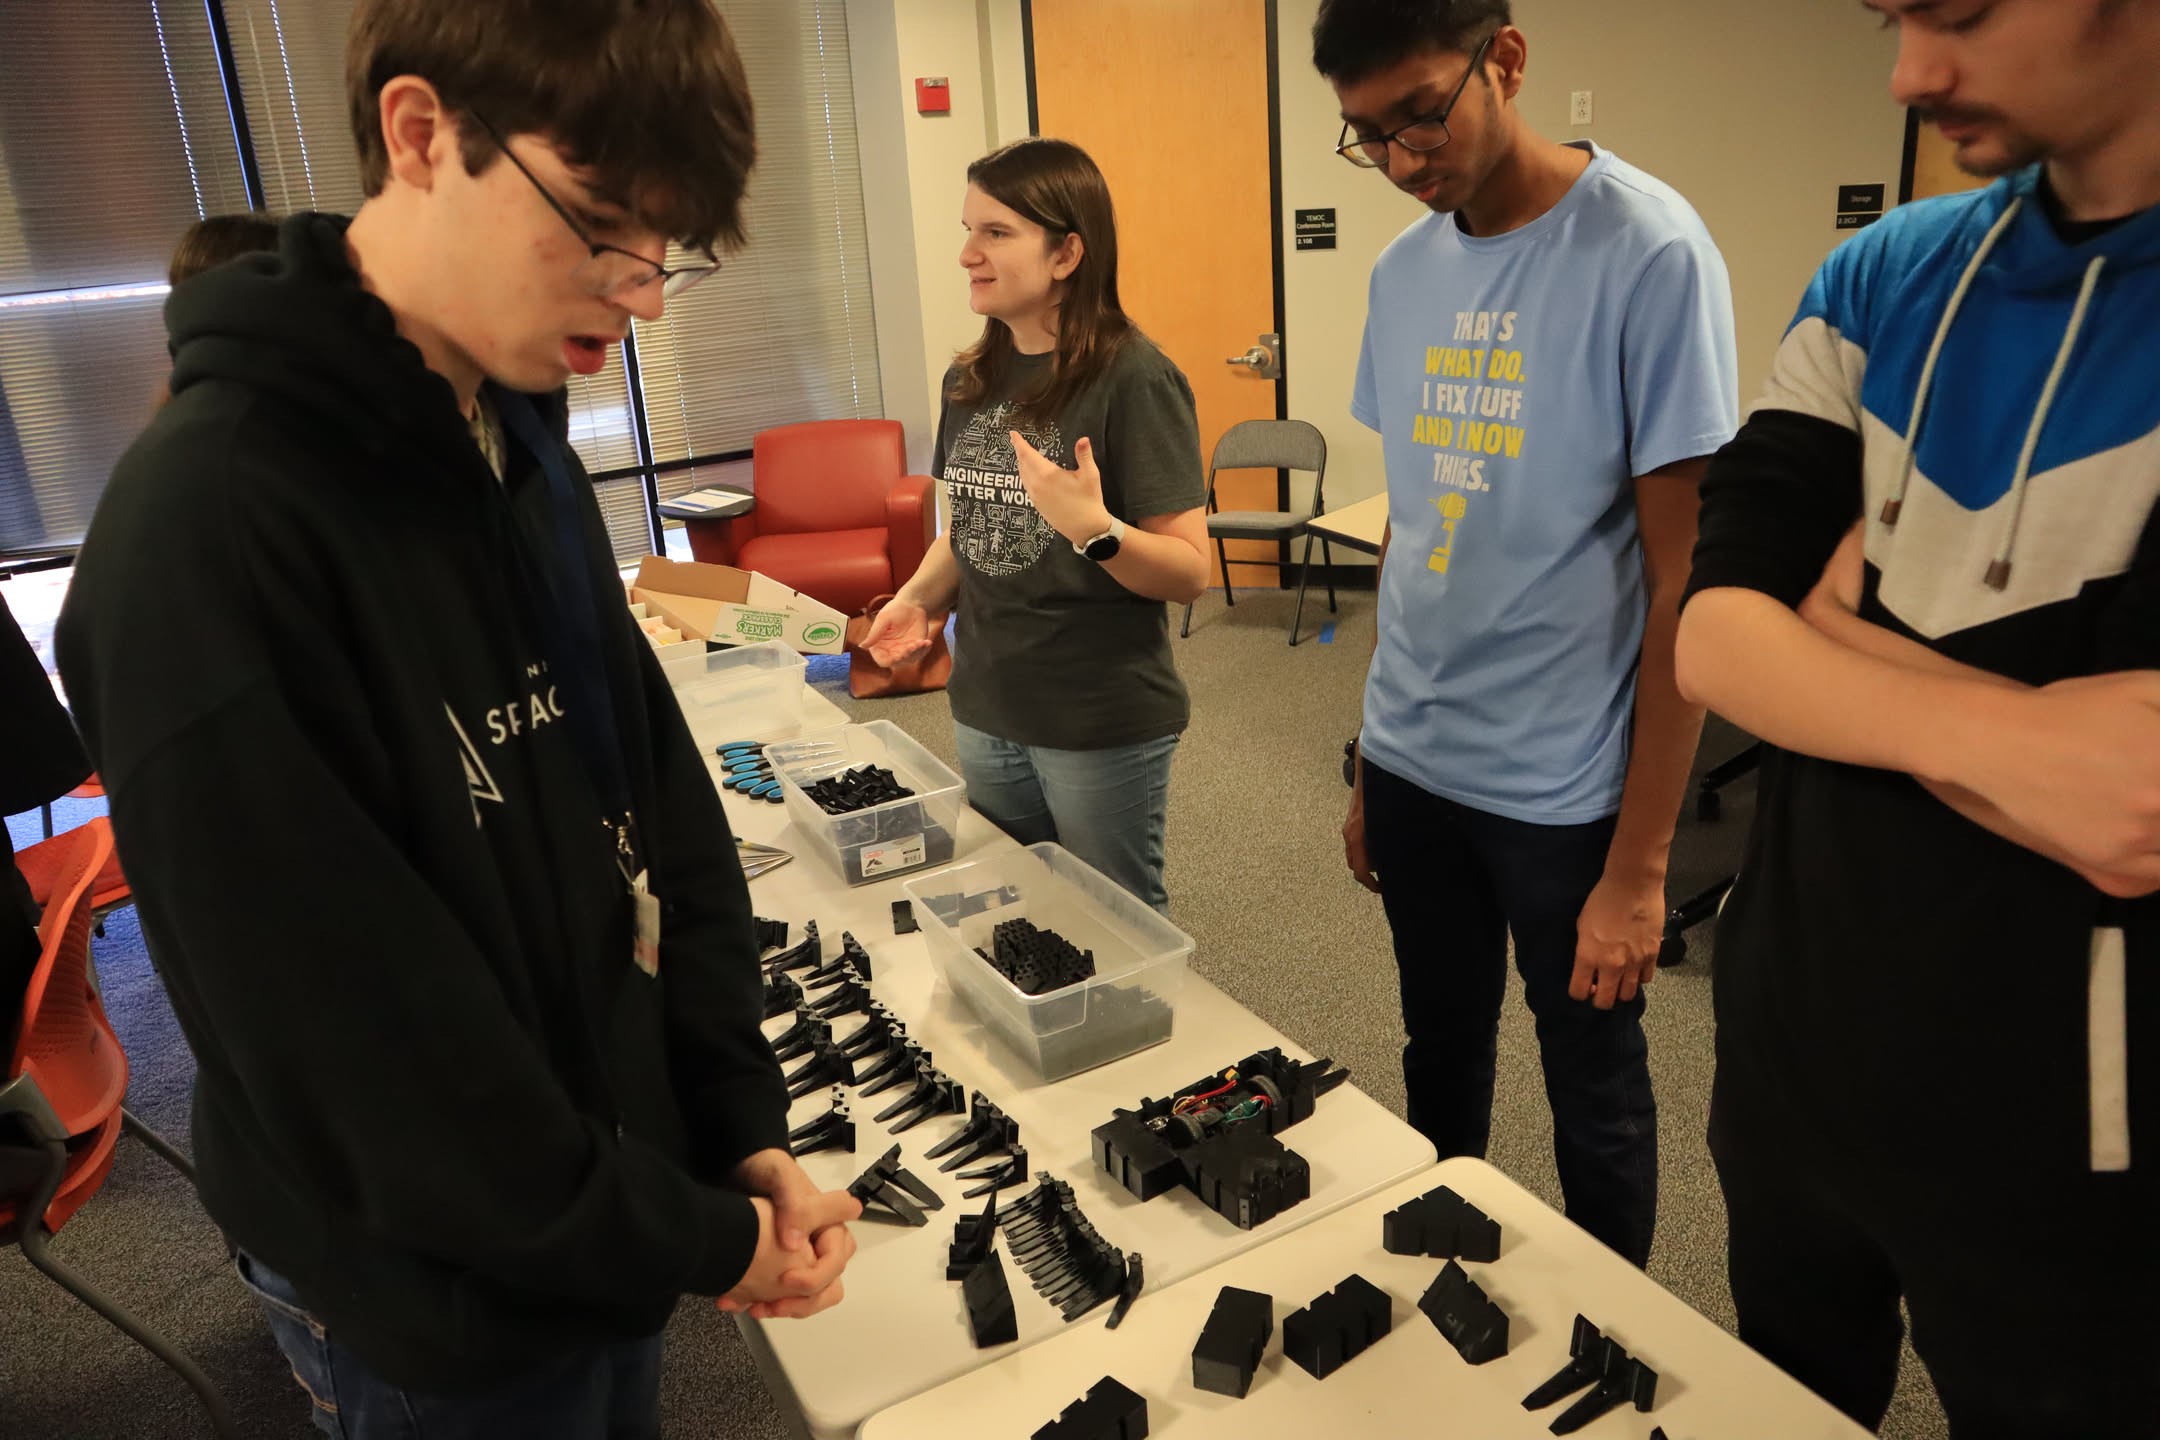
(1358,527)
(1411,1382)
(903,1327)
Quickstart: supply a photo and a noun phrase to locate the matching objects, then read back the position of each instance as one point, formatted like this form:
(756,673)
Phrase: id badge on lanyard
(571,624)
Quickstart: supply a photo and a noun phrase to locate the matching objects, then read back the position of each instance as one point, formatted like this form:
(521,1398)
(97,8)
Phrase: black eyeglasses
(1370,152)
(610,270)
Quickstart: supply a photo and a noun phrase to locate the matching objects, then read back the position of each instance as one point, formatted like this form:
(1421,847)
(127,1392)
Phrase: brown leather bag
(868,680)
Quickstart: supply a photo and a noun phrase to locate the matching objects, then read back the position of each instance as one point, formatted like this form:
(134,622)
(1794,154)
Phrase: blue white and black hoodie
(1985,389)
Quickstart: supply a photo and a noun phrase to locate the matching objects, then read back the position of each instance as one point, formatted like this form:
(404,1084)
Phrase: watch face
(1102,548)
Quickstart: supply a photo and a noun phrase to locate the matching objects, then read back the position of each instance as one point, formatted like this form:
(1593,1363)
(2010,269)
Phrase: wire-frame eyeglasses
(610,270)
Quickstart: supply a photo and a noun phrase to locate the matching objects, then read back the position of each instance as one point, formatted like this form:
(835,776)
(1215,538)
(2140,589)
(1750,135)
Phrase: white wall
(914,173)
(1756,112)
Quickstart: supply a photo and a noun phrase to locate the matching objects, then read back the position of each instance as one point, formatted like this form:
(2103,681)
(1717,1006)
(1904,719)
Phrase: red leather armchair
(837,518)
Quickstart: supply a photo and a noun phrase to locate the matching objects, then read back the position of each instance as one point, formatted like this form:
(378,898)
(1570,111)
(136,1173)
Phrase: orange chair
(60,1110)
(41,864)
(837,517)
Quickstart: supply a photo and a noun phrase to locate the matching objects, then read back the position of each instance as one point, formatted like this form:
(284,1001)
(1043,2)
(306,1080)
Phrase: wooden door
(1171,97)
(1934,165)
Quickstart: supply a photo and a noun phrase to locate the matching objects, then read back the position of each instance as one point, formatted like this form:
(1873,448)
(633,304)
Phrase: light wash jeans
(1105,806)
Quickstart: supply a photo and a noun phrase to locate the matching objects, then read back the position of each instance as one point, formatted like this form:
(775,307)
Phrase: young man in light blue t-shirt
(1549,359)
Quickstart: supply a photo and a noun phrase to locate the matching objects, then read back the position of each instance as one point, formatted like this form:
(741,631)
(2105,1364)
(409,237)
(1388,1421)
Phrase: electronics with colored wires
(1217,1137)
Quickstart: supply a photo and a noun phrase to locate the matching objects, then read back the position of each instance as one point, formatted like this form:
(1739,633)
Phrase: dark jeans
(609,1392)
(2032,1295)
(1456,883)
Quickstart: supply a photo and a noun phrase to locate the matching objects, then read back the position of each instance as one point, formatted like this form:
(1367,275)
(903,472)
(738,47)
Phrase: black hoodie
(433,1090)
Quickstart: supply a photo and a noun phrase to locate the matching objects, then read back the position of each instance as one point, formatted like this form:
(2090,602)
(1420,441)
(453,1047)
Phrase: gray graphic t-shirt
(1049,649)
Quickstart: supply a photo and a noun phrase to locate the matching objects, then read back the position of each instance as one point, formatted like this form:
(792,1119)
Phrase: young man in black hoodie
(1929,572)
(439,885)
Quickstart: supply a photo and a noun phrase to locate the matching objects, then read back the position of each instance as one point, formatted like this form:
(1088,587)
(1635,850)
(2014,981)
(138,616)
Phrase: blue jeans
(1105,806)
(1456,882)
(607,1392)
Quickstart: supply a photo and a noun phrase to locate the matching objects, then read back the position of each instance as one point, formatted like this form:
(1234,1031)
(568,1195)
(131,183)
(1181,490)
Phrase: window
(114,137)
(785,332)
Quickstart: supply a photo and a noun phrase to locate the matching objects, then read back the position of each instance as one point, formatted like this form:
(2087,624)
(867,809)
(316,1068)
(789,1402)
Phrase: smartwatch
(1104,546)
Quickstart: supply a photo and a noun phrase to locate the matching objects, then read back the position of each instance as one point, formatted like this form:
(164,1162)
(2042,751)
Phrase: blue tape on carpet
(1327,633)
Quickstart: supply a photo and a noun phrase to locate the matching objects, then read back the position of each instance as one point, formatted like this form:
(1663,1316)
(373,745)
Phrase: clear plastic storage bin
(750,692)
(883,840)
(1140,957)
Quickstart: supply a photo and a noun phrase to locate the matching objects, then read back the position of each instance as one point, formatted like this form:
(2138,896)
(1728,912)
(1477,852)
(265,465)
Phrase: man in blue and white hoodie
(1929,574)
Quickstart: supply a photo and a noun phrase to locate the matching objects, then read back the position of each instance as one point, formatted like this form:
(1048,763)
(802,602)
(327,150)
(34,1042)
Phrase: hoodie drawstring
(1896,503)
(1998,571)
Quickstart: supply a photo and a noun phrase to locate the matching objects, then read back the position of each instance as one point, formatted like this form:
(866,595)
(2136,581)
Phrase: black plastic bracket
(904,1196)
(1596,1360)
(834,1130)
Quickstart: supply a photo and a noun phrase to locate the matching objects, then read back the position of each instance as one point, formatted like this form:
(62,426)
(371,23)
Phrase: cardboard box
(736,607)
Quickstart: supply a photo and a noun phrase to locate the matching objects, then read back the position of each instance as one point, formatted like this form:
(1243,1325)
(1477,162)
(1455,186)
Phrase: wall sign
(1859,206)
(1315,229)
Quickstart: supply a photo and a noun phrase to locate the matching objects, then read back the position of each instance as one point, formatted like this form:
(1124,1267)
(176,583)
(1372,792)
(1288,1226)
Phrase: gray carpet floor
(1255,875)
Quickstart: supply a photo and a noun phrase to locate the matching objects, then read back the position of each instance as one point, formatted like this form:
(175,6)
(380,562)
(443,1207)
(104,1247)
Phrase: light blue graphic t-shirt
(1520,383)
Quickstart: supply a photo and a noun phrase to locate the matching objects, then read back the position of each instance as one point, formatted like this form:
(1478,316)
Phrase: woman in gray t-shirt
(1066,705)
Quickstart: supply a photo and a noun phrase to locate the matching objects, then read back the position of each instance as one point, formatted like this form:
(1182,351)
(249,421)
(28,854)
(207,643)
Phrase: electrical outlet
(1579,112)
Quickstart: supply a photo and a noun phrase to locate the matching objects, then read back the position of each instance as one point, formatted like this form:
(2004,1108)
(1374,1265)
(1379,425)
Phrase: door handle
(1264,359)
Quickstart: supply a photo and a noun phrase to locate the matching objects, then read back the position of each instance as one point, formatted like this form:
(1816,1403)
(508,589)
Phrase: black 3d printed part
(1443,1225)
(770,934)
(1109,1411)
(1596,1360)
(1216,1136)
(1337,1327)
(1247,1177)
(1228,1352)
(989,1303)
(834,1130)
(903,918)
(1461,1310)
(904,1196)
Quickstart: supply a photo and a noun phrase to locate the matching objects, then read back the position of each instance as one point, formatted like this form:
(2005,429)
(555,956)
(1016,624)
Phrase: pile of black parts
(1337,1327)
(1443,1225)
(857,789)
(803,955)
(1217,1137)
(1037,961)
(1109,1411)
(904,1196)
(1069,1264)
(1228,1352)
(1460,1309)
(1598,1361)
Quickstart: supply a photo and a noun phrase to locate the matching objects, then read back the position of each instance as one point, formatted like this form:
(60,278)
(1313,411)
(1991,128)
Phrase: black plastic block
(1108,1411)
(1461,1310)
(1442,1225)
(989,1303)
(1247,1176)
(1337,1327)
(1231,1343)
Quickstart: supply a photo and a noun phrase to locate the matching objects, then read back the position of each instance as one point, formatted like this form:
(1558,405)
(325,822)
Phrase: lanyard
(570,630)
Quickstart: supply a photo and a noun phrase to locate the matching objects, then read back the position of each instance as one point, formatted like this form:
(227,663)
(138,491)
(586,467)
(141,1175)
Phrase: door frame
(1275,215)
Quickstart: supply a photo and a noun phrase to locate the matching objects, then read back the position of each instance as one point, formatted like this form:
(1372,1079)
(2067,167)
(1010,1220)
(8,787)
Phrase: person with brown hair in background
(1066,703)
(433,872)
(215,239)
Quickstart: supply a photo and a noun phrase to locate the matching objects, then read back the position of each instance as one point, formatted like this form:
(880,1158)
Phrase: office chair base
(36,1241)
